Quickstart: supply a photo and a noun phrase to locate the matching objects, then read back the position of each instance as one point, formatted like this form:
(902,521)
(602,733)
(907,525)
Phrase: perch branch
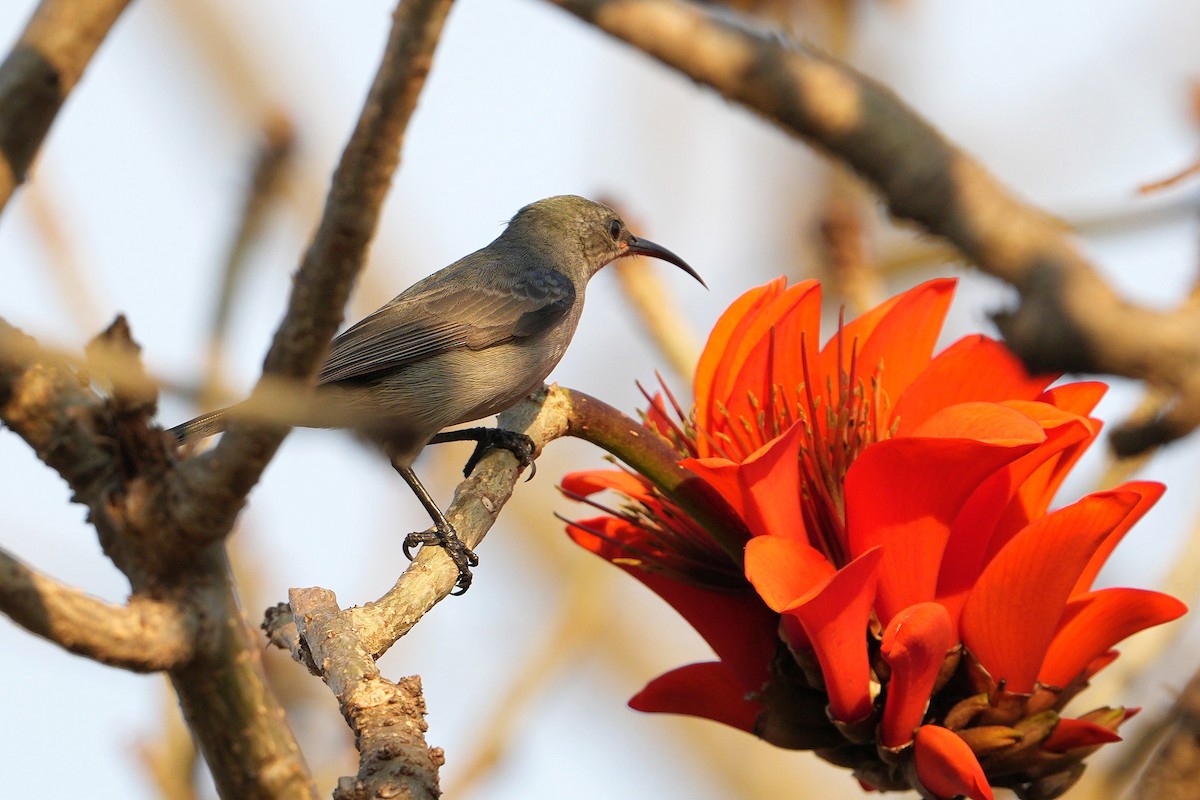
(1069,319)
(388,719)
(547,415)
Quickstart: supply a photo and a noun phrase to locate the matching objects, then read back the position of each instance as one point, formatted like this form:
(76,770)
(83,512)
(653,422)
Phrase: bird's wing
(490,305)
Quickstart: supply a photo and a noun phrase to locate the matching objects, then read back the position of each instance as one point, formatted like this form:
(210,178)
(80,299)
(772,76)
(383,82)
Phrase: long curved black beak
(645,247)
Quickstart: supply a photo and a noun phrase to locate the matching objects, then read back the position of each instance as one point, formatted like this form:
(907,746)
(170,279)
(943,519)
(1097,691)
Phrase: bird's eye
(614,229)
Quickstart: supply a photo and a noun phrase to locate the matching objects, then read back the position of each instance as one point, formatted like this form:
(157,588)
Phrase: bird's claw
(463,557)
(519,444)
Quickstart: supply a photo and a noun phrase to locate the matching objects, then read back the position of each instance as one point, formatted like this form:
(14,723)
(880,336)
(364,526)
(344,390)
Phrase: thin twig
(270,165)
(81,301)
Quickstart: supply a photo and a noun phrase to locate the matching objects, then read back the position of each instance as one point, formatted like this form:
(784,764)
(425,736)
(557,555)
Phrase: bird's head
(583,236)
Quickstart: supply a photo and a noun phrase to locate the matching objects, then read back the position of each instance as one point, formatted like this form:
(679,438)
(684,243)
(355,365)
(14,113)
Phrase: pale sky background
(1073,104)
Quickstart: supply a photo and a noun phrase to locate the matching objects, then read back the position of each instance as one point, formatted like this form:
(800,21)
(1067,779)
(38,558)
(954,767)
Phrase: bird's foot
(520,445)
(444,537)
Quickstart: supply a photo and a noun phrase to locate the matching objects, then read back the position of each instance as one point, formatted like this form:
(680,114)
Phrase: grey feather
(497,300)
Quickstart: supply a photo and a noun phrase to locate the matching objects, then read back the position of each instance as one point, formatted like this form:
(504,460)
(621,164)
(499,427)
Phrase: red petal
(1094,622)
(977,531)
(1037,490)
(946,766)
(1149,492)
(905,493)
(914,646)
(708,690)
(835,616)
(589,482)
(613,533)
(974,368)
(739,628)
(1011,615)
(782,569)
(899,333)
(1070,734)
(765,488)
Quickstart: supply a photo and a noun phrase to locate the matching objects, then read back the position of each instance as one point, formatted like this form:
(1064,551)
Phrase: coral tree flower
(897,594)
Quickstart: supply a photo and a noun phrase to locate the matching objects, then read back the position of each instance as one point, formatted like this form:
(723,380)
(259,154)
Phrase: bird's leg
(518,444)
(442,535)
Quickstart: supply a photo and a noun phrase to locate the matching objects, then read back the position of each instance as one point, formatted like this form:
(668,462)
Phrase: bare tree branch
(41,70)
(388,719)
(144,636)
(117,463)
(1069,318)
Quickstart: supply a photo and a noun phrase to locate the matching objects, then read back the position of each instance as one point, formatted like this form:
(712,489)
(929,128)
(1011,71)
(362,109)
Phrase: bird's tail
(201,427)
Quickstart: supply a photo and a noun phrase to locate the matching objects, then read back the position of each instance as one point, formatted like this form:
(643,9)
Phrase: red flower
(904,589)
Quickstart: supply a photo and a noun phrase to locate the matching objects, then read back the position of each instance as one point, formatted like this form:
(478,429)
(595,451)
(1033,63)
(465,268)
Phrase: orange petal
(915,646)
(732,338)
(1012,613)
(765,488)
(1071,734)
(835,615)
(782,569)
(905,493)
(709,690)
(975,368)
(986,422)
(1148,493)
(1034,495)
(1079,397)
(772,369)
(946,766)
(1094,622)
(899,333)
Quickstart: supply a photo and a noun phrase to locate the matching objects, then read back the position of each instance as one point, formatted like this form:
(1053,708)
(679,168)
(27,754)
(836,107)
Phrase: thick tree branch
(145,636)
(1069,318)
(117,463)
(39,72)
(388,719)
(215,484)
(235,718)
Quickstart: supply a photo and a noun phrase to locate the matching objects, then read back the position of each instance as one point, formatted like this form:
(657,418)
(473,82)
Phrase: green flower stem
(651,456)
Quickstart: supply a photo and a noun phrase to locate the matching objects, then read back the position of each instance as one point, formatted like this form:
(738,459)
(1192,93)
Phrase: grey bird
(466,342)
